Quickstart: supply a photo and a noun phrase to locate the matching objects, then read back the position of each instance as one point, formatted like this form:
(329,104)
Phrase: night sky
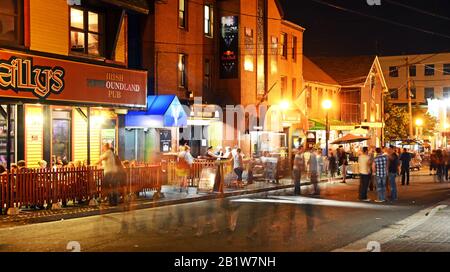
(330,31)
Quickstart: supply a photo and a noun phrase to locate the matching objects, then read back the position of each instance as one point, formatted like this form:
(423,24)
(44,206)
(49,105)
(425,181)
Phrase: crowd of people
(185,160)
(377,168)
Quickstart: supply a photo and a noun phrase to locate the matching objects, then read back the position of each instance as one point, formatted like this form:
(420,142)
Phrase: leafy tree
(396,121)
(429,122)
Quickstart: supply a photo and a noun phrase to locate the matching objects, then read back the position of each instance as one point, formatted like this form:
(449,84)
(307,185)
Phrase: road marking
(393,231)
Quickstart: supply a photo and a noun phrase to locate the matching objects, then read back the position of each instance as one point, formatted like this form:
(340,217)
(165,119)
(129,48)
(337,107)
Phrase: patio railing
(30,187)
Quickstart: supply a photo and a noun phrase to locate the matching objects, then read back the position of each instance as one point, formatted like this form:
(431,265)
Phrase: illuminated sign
(229,47)
(19,74)
(24,76)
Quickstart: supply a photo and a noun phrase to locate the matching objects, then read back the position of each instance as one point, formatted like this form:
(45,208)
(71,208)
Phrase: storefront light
(35,119)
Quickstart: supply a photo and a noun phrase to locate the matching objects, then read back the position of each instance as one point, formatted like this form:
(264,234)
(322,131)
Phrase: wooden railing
(28,187)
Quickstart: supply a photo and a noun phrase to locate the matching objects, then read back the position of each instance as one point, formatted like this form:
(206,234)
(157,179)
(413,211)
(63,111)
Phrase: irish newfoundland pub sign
(42,78)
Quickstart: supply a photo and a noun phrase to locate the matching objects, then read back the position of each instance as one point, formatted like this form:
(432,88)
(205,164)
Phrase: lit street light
(419,124)
(326,105)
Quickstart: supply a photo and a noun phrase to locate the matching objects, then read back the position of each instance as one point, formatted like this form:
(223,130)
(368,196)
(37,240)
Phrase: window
(207,78)
(86,34)
(320,96)
(284,41)
(446,92)
(447,69)
(61,124)
(412,71)
(393,93)
(412,92)
(11,25)
(208,21)
(429,70)
(294,48)
(308,97)
(294,88)
(365,110)
(182,80)
(429,93)
(284,87)
(393,71)
(378,112)
(182,12)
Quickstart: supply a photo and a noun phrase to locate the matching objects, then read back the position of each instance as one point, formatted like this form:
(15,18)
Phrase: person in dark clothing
(405,159)
(393,167)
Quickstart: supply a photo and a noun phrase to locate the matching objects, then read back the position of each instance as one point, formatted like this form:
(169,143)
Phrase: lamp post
(326,105)
(419,124)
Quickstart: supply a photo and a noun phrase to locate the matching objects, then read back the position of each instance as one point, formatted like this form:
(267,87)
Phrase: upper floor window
(182,78)
(393,71)
(208,21)
(412,92)
(11,22)
(429,70)
(284,41)
(429,93)
(86,33)
(294,48)
(412,70)
(393,93)
(447,69)
(182,13)
(446,92)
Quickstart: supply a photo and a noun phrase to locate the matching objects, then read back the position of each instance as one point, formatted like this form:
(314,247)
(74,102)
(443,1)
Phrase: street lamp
(419,124)
(326,105)
(284,105)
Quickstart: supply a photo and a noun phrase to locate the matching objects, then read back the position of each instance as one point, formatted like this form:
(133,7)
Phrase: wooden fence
(28,187)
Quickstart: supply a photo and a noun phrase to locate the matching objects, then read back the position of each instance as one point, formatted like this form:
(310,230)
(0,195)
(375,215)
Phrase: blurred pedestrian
(393,167)
(405,159)
(379,167)
(298,169)
(313,171)
(440,164)
(238,167)
(364,173)
(332,165)
(107,161)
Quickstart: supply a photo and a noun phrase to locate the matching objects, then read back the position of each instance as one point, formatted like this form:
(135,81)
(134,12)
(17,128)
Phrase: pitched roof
(347,71)
(313,73)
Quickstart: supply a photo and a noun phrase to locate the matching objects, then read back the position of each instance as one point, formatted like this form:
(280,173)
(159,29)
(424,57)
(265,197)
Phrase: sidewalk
(433,235)
(172,196)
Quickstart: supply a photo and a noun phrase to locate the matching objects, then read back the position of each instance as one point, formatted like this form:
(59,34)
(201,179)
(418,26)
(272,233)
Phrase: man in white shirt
(364,173)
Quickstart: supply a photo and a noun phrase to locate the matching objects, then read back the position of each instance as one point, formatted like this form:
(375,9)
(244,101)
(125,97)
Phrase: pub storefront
(62,111)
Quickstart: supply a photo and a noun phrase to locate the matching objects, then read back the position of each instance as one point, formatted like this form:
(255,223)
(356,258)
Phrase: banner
(41,78)
(229,44)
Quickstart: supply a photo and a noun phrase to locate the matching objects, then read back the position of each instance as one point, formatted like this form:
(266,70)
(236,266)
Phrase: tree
(396,121)
(429,122)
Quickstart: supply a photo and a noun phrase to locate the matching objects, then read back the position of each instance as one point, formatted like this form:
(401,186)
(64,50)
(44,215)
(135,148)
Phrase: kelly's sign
(35,77)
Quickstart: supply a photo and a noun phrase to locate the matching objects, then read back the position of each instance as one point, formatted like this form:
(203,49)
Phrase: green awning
(318,124)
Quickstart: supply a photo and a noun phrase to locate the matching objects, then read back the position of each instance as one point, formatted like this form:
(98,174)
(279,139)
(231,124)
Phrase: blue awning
(162,111)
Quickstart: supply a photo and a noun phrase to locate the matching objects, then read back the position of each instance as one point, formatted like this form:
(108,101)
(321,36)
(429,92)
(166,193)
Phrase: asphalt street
(276,221)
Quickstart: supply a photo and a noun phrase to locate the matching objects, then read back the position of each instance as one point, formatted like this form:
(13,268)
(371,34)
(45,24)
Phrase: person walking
(108,163)
(393,165)
(320,163)
(332,166)
(298,169)
(364,173)
(238,167)
(405,159)
(447,163)
(313,171)
(440,164)
(379,167)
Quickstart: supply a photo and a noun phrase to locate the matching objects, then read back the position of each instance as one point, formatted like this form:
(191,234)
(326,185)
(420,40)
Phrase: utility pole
(408,91)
